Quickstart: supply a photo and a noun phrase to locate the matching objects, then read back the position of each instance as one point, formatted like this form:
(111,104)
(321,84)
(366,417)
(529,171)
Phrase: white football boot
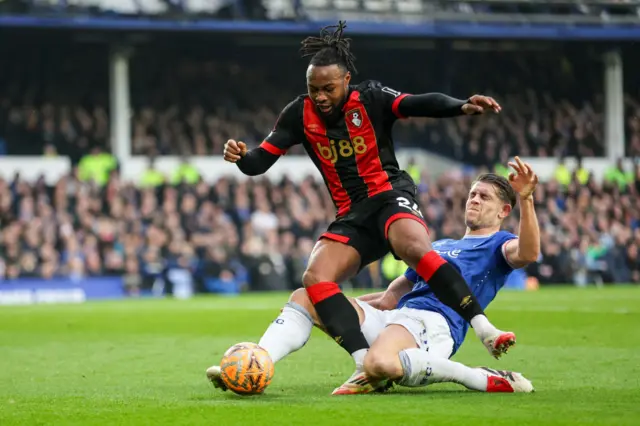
(500,343)
(214,375)
(358,384)
(506,381)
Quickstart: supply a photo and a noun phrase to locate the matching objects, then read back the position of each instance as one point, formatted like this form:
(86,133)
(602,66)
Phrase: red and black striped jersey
(355,153)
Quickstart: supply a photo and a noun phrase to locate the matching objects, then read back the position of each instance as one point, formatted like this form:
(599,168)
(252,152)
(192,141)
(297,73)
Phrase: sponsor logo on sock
(428,372)
(465,302)
(338,339)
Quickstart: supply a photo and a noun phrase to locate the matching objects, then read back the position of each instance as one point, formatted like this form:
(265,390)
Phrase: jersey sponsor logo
(450,253)
(355,116)
(342,148)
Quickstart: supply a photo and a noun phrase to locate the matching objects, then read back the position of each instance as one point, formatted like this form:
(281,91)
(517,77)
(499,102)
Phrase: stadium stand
(53,99)
(256,234)
(194,105)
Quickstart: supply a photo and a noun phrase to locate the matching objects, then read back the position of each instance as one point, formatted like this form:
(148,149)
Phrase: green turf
(142,362)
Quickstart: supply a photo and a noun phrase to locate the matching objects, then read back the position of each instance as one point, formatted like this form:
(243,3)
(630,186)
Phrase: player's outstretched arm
(439,105)
(252,163)
(526,249)
(283,136)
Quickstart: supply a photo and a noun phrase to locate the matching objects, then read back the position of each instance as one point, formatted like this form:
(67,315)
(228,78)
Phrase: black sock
(341,321)
(453,291)
(448,285)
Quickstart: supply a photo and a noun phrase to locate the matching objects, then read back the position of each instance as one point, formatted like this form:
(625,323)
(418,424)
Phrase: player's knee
(382,365)
(412,249)
(314,275)
(300,297)
(310,277)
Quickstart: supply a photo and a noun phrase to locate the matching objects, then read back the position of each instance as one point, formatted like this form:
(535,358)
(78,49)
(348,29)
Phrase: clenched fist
(233,151)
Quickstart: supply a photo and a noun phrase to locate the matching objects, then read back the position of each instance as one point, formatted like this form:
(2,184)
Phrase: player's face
(484,207)
(327,87)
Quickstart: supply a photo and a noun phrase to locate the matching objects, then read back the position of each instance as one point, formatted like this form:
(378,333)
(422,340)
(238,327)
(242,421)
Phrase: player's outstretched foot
(499,343)
(214,375)
(357,384)
(506,381)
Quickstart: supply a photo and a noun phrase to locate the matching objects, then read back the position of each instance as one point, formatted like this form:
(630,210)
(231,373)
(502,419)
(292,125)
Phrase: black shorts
(366,225)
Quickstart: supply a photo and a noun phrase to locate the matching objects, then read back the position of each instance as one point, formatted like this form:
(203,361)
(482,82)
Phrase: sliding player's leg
(414,351)
(285,335)
(292,328)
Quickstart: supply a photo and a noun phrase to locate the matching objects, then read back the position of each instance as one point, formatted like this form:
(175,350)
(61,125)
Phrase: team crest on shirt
(355,116)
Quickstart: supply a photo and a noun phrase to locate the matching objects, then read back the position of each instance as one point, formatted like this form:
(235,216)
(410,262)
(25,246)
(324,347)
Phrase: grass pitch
(142,362)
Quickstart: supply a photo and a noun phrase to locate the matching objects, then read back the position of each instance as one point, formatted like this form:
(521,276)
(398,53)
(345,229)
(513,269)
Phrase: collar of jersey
(353,95)
(478,237)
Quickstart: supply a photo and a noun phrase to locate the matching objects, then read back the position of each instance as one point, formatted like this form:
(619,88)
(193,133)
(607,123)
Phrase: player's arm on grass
(435,105)
(526,248)
(258,160)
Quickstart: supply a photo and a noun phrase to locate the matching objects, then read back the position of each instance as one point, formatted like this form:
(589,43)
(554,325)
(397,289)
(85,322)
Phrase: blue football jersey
(480,260)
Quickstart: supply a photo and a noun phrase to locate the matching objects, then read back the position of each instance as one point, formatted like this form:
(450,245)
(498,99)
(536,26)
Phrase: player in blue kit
(411,333)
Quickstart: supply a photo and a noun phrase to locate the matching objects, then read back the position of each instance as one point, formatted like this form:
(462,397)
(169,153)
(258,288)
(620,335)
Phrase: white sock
(287,333)
(483,327)
(358,357)
(422,369)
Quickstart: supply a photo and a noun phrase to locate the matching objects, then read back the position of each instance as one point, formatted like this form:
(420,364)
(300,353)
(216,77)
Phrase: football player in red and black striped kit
(346,130)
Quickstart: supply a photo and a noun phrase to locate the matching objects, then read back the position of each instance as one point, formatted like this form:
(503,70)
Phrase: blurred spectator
(562,173)
(617,175)
(151,177)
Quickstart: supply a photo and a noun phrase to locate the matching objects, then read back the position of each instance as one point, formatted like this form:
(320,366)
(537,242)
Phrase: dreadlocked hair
(330,48)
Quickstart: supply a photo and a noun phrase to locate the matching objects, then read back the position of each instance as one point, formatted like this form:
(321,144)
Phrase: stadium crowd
(256,234)
(552,106)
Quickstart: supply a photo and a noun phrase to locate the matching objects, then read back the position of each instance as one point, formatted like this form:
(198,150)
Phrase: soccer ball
(241,345)
(246,369)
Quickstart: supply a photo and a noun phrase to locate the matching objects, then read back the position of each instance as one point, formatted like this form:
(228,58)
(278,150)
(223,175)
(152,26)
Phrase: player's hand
(524,181)
(479,104)
(233,151)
